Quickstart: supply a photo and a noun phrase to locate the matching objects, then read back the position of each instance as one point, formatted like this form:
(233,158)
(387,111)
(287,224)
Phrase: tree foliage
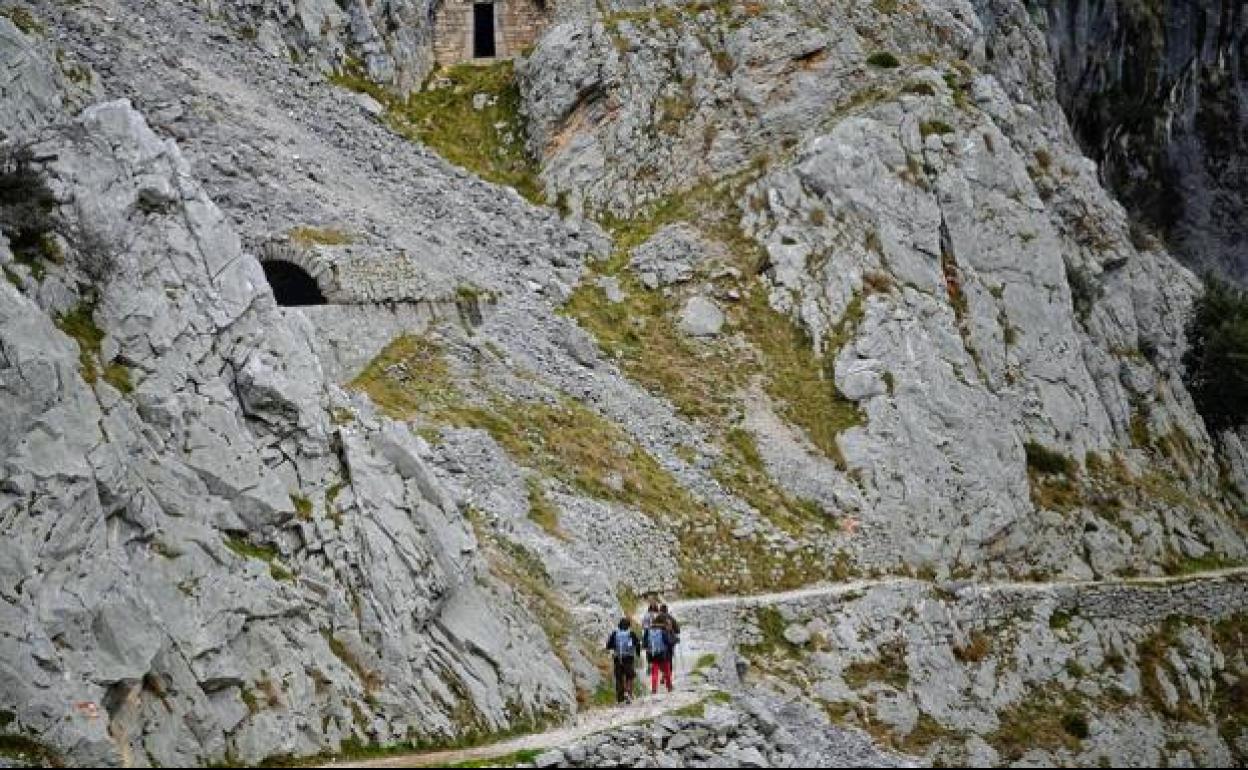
(1217,358)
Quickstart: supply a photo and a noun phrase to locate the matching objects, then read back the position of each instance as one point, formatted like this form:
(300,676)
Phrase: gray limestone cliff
(1157,93)
(826,290)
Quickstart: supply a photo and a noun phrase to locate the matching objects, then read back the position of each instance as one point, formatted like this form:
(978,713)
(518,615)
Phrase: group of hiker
(660,633)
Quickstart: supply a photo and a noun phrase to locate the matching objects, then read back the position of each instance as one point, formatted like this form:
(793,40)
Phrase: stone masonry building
(467,30)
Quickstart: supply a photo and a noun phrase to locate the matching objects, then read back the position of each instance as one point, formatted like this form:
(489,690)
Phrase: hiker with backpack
(651,611)
(660,644)
(624,645)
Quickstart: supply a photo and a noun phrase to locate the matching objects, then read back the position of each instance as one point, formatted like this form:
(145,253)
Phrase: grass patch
(1053,478)
(976,648)
(1190,565)
(889,668)
(704,662)
(1154,659)
(1043,720)
(693,710)
(28,752)
(542,511)
(79,323)
(934,127)
(370,680)
(23,19)
(1230,695)
(318,236)
(771,626)
(521,757)
(1060,619)
(266,554)
(1044,460)
(565,440)
(884,60)
(489,141)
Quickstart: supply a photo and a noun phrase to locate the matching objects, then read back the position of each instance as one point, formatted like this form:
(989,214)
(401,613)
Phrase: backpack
(622,644)
(656,642)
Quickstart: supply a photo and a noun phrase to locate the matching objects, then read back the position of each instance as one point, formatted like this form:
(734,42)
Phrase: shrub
(883,59)
(929,127)
(1044,460)
(1216,362)
(27,209)
(1084,291)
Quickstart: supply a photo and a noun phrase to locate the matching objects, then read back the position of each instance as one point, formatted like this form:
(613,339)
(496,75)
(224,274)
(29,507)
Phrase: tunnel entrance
(292,285)
(483,30)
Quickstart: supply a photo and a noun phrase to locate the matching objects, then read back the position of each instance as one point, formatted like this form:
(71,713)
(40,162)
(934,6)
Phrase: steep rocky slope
(906,187)
(857,304)
(1158,94)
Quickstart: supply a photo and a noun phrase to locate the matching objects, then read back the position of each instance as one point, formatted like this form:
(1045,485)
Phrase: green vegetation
(1044,460)
(1085,291)
(565,440)
(929,127)
(369,679)
(488,141)
(303,507)
(542,511)
(883,59)
(771,626)
(1188,565)
(27,211)
(27,752)
(79,323)
(1045,719)
(266,554)
(1216,361)
(318,236)
(23,19)
(1053,478)
(1060,619)
(1154,660)
(704,662)
(521,757)
(1230,696)
(694,710)
(889,668)
(703,380)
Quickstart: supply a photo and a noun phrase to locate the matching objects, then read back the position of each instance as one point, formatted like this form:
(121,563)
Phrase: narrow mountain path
(693,646)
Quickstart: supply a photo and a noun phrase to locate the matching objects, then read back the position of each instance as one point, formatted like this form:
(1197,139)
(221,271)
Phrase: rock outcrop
(210,551)
(855,303)
(907,185)
(1157,93)
(958,674)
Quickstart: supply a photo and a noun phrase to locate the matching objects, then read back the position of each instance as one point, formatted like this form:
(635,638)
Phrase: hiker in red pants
(660,643)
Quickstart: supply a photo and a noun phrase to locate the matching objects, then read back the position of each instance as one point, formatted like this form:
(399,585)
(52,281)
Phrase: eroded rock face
(148,478)
(1158,94)
(922,206)
(390,42)
(994,675)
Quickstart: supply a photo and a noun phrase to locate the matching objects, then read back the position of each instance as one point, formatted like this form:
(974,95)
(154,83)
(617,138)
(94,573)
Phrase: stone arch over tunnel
(299,277)
(292,285)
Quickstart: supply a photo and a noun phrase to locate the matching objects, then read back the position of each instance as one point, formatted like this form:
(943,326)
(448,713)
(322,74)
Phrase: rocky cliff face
(906,187)
(210,551)
(857,304)
(1158,94)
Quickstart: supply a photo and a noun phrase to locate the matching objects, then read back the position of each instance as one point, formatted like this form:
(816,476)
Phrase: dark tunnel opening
(291,284)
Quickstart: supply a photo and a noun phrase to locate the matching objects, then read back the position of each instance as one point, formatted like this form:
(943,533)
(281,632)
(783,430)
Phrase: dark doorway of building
(483,30)
(291,284)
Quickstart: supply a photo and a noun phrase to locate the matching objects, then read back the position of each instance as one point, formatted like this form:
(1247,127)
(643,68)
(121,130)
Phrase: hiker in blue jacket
(660,645)
(624,646)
